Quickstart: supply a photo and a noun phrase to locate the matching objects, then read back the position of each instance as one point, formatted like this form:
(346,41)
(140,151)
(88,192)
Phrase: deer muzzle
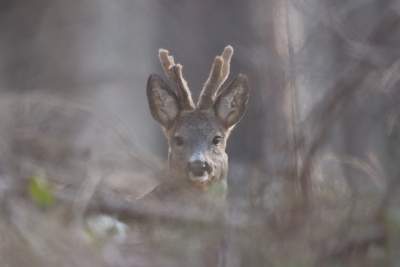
(199,170)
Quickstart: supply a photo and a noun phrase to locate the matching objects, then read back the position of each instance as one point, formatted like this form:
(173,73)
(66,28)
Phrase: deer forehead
(197,124)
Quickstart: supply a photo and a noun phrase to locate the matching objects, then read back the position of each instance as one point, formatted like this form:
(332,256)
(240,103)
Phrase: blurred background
(314,164)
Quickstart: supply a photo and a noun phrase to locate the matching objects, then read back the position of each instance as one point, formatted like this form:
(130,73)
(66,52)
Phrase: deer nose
(198,167)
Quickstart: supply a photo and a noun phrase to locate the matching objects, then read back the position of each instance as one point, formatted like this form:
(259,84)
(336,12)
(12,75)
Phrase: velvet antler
(219,73)
(174,73)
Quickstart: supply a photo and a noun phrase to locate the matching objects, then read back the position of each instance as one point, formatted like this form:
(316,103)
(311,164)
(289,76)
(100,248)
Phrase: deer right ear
(163,101)
(231,103)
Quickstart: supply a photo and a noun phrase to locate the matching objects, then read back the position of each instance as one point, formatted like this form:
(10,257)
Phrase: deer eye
(178,141)
(217,140)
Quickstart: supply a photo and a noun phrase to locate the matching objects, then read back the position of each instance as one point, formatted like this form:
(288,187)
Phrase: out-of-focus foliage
(314,176)
(40,191)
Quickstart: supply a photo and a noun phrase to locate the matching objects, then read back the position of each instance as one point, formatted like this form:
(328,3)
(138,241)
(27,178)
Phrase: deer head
(197,133)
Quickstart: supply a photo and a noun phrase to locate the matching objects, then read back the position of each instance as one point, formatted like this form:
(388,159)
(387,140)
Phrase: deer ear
(231,103)
(163,101)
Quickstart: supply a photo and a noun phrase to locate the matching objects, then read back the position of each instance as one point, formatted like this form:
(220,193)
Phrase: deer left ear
(231,103)
(163,102)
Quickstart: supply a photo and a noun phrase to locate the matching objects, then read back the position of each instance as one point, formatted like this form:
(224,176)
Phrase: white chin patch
(199,179)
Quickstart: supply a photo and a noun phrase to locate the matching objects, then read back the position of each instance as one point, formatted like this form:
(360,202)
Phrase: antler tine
(219,73)
(183,89)
(166,61)
(227,56)
(174,72)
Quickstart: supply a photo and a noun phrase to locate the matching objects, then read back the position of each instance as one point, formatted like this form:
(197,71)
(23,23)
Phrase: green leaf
(41,192)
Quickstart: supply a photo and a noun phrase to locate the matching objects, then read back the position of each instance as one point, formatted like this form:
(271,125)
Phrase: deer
(197,133)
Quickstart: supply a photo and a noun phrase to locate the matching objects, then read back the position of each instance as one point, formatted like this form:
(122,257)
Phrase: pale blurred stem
(85,195)
(294,133)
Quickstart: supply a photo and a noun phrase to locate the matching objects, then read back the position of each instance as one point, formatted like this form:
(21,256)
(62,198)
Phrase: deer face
(197,134)
(197,147)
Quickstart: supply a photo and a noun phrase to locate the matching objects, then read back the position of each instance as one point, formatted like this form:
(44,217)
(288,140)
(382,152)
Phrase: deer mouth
(200,179)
